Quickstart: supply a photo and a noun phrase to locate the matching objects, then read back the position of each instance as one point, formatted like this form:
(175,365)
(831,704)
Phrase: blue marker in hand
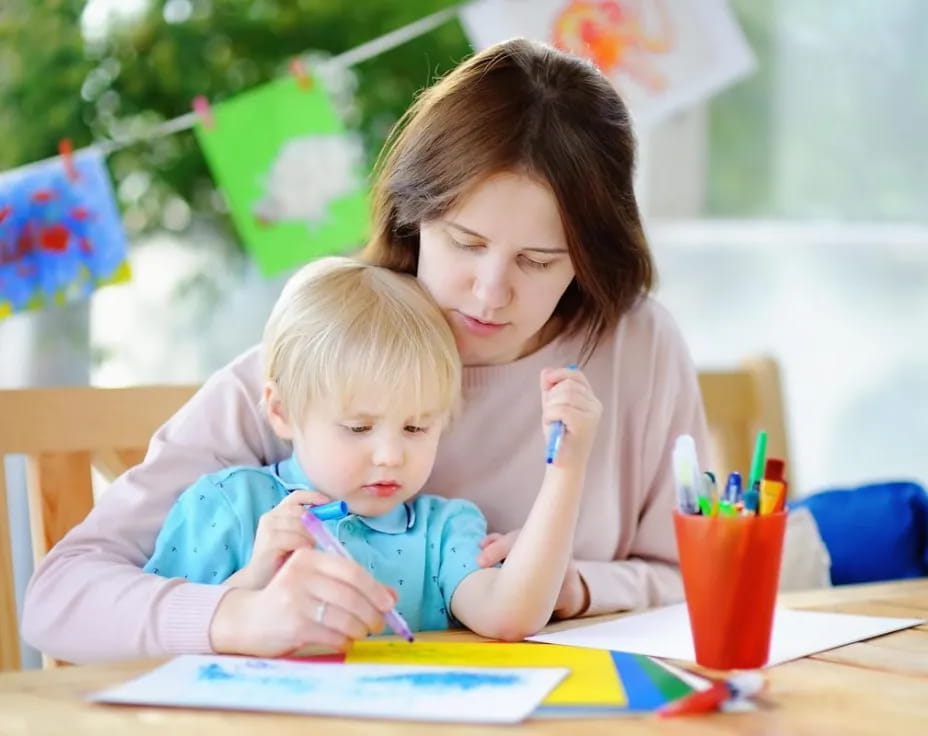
(329,511)
(557,434)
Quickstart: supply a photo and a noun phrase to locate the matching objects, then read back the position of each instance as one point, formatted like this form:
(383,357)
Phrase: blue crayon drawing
(217,673)
(445,680)
(60,237)
(406,692)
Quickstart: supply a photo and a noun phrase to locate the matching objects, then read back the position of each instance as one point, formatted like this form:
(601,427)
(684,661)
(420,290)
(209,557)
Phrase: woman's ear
(276,413)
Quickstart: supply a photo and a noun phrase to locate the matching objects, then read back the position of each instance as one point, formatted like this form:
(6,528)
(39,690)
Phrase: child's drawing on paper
(435,693)
(308,173)
(661,55)
(293,177)
(60,238)
(617,36)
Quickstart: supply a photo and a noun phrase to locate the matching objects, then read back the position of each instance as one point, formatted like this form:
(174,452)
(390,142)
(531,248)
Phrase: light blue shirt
(422,548)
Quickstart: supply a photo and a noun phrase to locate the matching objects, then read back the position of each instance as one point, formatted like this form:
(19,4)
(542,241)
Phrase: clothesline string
(353,56)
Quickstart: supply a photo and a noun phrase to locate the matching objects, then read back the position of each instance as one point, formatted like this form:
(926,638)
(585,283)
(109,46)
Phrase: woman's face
(497,265)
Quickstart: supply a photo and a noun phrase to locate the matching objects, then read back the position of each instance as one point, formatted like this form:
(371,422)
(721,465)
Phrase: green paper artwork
(293,176)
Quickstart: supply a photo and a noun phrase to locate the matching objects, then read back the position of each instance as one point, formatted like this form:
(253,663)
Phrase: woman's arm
(89,599)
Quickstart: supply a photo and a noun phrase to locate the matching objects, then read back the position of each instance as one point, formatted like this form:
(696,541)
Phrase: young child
(362,376)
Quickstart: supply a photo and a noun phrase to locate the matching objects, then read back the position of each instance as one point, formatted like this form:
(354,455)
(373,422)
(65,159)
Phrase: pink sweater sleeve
(89,600)
(650,575)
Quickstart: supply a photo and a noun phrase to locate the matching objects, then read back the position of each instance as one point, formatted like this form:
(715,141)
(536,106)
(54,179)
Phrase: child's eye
(358,428)
(415,429)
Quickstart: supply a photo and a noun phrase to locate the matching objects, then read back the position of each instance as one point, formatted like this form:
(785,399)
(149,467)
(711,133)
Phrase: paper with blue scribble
(60,238)
(398,692)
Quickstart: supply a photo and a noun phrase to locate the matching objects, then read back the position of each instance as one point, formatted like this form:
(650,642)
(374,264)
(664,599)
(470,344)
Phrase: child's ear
(276,413)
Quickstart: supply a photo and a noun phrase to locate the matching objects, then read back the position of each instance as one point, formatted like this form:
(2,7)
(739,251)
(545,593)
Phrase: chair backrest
(64,432)
(738,404)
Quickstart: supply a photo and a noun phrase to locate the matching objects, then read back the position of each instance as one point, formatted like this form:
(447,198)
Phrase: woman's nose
(492,288)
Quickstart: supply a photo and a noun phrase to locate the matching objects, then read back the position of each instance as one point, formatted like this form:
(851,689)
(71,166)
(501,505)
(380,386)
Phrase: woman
(507,190)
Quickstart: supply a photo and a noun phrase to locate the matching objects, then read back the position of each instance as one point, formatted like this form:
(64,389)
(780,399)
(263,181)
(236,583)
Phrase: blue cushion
(875,532)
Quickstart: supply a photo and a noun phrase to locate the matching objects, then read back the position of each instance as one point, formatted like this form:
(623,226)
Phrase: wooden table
(875,687)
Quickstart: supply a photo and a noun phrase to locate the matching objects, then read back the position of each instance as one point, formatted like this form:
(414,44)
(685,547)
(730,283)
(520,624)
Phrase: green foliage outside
(55,84)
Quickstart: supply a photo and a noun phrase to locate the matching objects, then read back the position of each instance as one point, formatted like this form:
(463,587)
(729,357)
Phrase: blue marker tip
(557,434)
(733,488)
(330,511)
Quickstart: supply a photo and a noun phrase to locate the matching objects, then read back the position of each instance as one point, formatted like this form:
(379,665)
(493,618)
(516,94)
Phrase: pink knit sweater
(89,599)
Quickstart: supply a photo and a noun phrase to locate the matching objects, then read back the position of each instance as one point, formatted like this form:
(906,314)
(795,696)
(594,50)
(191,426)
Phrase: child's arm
(517,599)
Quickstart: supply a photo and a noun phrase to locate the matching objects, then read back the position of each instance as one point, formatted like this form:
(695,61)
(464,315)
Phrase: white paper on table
(661,55)
(665,632)
(413,692)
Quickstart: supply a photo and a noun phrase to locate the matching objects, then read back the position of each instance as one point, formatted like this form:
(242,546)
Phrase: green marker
(704,506)
(726,509)
(757,462)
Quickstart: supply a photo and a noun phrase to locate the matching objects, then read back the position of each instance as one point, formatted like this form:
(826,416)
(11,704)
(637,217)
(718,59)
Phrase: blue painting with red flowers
(61,236)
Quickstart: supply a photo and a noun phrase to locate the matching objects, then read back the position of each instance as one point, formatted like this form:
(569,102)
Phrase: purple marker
(328,543)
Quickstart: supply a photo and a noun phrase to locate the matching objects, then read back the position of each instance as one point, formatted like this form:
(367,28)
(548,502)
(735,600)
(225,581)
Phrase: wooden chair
(738,404)
(64,432)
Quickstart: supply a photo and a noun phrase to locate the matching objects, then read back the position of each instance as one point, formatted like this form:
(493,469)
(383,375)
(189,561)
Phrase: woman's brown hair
(523,107)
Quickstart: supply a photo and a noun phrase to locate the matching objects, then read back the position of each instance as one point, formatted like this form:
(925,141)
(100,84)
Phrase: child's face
(371,454)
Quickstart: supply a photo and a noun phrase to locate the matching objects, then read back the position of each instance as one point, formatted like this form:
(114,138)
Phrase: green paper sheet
(293,176)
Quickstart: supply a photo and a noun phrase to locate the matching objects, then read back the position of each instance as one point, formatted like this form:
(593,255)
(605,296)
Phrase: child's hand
(566,396)
(280,532)
(573,598)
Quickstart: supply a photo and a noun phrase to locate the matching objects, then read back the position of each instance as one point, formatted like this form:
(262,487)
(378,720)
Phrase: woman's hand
(566,396)
(280,533)
(315,598)
(573,598)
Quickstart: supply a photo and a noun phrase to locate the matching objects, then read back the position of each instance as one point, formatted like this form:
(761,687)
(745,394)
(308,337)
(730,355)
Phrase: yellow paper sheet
(592,680)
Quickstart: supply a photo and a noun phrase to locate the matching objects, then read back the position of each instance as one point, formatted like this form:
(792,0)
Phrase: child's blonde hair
(340,325)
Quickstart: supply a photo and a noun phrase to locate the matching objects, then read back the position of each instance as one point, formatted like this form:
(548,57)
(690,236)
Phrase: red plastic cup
(731,569)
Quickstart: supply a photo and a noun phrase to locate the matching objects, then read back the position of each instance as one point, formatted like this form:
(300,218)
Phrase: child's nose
(388,453)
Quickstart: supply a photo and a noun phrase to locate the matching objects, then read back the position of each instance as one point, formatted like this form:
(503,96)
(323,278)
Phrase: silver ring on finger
(320,611)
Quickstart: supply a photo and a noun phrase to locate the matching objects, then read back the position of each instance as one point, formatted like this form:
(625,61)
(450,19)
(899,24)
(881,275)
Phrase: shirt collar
(291,475)
(396,521)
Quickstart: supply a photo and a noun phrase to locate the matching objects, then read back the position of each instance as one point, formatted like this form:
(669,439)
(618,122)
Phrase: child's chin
(374,506)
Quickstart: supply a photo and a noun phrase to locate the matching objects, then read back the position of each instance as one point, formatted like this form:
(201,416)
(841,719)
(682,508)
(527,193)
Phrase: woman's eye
(415,429)
(538,265)
(358,428)
(466,246)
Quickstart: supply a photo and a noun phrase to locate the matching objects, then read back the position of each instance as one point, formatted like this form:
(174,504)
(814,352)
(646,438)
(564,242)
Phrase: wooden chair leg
(9,622)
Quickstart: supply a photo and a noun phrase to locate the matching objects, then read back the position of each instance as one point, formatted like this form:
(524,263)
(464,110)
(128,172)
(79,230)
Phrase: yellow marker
(770,491)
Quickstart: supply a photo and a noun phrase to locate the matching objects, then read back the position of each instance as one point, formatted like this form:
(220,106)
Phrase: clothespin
(298,70)
(201,107)
(66,151)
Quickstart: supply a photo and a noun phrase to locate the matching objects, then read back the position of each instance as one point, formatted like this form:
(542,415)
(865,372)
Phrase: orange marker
(774,472)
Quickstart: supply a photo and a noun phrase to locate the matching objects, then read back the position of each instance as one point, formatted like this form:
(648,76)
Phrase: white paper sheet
(665,632)
(414,693)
